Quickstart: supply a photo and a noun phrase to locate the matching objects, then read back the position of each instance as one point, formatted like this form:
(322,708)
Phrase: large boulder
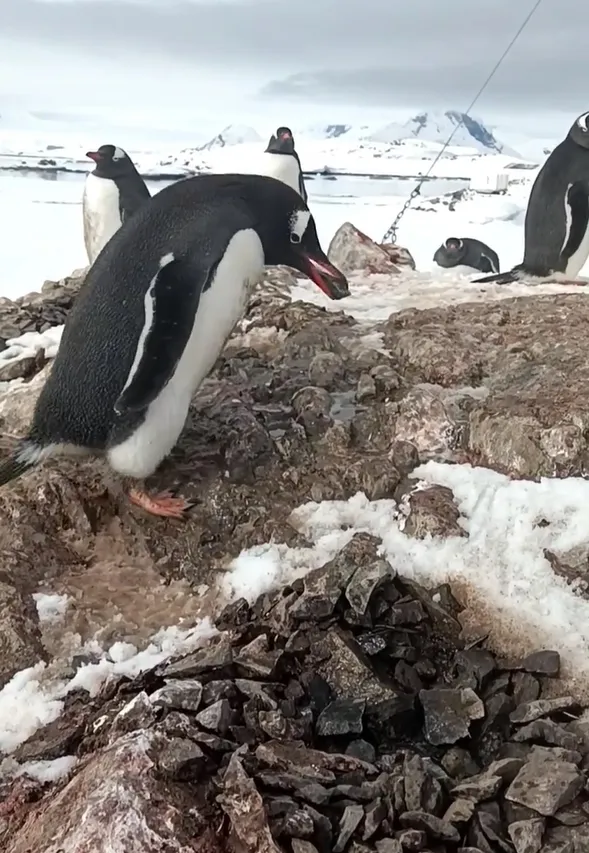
(352,251)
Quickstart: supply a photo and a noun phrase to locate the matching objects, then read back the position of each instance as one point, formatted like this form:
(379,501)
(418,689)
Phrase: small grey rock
(546,786)
(527,835)
(530,711)
(180,695)
(217,717)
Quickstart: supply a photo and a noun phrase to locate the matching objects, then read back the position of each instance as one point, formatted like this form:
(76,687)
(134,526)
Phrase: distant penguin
(557,216)
(469,252)
(126,369)
(113,191)
(283,161)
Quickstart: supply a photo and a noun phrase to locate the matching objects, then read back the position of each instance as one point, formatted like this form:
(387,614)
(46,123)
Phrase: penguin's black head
(282,142)
(289,236)
(111,161)
(579,132)
(454,247)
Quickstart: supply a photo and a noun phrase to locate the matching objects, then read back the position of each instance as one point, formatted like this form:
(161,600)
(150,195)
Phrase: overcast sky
(237,60)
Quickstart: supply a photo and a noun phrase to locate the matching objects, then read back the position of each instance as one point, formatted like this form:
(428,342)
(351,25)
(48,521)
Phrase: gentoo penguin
(467,251)
(113,191)
(126,369)
(283,161)
(557,216)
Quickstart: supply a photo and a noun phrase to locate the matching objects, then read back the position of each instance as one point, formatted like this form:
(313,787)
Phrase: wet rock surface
(263,742)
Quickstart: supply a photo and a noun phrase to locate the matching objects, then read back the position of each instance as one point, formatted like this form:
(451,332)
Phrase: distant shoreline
(176,176)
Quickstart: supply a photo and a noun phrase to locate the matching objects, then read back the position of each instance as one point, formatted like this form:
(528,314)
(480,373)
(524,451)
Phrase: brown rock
(20,638)
(118,791)
(353,251)
(433,512)
(243,805)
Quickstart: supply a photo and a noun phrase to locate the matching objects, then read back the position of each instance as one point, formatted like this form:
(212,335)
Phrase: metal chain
(391,235)
(392,231)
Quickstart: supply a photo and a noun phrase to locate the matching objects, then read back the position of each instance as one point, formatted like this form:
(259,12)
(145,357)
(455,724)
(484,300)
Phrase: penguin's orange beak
(93,155)
(323,273)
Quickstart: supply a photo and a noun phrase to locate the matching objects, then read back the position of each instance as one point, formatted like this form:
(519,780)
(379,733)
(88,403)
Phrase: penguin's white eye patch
(298,225)
(582,122)
(119,154)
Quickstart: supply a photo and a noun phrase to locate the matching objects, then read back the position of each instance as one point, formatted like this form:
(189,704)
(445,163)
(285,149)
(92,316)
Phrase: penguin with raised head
(557,217)
(282,161)
(466,251)
(113,191)
(126,369)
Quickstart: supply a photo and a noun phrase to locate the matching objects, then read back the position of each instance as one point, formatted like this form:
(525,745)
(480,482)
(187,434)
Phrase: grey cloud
(414,53)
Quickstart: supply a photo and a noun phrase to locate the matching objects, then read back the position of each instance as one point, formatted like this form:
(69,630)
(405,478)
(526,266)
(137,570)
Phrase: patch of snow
(51,607)
(31,700)
(374,298)
(30,343)
(499,570)
(48,771)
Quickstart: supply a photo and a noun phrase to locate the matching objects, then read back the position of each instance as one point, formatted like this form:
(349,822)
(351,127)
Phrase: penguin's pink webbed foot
(163,504)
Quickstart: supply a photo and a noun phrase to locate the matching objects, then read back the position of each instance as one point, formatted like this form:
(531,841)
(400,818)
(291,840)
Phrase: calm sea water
(41,219)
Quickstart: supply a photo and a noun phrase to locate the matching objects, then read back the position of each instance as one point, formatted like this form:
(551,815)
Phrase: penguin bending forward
(113,191)
(557,216)
(467,251)
(283,162)
(126,369)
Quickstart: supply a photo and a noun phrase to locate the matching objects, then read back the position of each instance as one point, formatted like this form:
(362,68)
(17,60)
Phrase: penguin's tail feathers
(498,278)
(26,456)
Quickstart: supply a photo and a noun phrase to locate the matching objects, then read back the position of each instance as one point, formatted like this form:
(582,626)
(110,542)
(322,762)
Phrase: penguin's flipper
(498,278)
(577,204)
(171,304)
(493,264)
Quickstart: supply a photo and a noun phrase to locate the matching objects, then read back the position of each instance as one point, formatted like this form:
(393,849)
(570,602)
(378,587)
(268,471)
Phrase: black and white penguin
(466,251)
(283,161)
(113,191)
(557,216)
(126,369)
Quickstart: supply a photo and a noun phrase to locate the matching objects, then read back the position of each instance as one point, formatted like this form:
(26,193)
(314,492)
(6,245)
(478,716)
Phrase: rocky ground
(346,712)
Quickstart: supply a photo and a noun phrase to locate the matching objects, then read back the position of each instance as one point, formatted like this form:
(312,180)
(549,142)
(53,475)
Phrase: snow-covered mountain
(233,134)
(438,127)
(426,127)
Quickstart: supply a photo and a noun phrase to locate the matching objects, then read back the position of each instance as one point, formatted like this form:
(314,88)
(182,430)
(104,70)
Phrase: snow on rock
(32,698)
(29,344)
(351,251)
(499,567)
(50,606)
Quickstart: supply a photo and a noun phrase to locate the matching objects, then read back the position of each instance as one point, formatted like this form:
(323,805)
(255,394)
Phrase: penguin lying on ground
(113,191)
(283,161)
(557,216)
(467,251)
(126,369)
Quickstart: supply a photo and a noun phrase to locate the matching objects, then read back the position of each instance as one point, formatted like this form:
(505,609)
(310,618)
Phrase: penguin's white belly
(102,216)
(220,308)
(283,167)
(577,260)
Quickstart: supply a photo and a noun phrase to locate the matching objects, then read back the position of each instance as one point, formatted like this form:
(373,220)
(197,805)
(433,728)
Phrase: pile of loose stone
(37,312)
(343,714)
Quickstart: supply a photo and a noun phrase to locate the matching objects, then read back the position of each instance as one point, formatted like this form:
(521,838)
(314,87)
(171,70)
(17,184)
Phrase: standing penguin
(557,216)
(469,252)
(282,161)
(113,191)
(126,369)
